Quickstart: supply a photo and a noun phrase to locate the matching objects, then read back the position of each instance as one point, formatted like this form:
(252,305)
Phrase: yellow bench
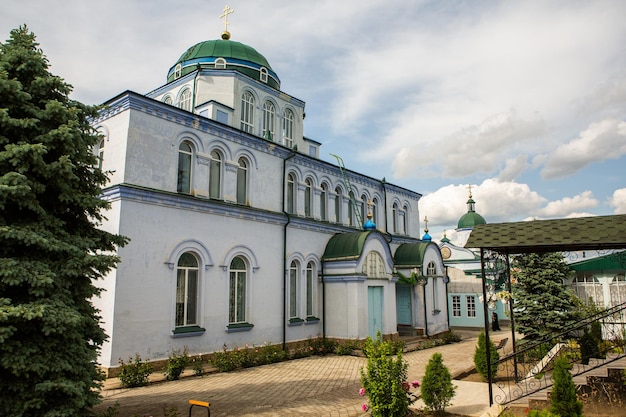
(203,404)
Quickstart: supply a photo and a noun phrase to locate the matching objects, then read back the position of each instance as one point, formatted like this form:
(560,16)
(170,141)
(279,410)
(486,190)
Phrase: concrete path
(314,386)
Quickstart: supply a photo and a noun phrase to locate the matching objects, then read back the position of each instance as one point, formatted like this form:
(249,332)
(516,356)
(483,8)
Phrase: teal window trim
(188,331)
(239,327)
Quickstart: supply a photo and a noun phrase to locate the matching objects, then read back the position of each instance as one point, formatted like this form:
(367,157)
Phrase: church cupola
(471,218)
(426,237)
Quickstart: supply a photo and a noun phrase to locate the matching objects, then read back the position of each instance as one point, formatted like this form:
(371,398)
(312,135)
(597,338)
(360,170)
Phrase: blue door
(403,304)
(374,310)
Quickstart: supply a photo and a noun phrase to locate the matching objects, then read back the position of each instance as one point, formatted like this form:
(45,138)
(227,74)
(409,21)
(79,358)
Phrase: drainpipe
(425,308)
(447,281)
(285,252)
(323,302)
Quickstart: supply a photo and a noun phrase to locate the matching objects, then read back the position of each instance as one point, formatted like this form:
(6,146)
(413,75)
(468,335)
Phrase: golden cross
(469,187)
(227,11)
(426,223)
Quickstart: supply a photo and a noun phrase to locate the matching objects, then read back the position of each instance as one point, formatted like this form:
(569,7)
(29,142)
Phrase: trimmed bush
(176,364)
(480,357)
(563,400)
(134,373)
(437,388)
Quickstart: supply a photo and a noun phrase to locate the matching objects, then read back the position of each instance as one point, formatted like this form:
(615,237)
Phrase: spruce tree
(480,357)
(437,389)
(563,401)
(543,304)
(51,249)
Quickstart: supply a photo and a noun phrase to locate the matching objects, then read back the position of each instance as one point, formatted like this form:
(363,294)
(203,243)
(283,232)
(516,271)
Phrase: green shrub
(197,364)
(135,373)
(563,400)
(321,346)
(437,389)
(480,357)
(176,364)
(384,380)
(588,347)
(450,337)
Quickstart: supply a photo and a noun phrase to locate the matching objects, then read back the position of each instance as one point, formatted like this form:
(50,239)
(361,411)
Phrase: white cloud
(569,206)
(513,167)
(600,141)
(618,201)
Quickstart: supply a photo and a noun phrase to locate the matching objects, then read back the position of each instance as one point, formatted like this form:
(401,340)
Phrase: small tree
(51,247)
(384,381)
(437,388)
(563,401)
(480,357)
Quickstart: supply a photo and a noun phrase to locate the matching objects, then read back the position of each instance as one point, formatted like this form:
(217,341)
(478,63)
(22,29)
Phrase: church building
(239,233)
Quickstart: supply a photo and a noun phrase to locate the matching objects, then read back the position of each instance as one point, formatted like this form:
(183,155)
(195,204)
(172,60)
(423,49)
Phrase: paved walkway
(314,386)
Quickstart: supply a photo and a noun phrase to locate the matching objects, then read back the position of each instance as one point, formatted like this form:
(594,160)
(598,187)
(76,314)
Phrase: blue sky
(526,100)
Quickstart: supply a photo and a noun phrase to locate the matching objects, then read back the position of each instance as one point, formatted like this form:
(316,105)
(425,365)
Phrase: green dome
(470,219)
(237,55)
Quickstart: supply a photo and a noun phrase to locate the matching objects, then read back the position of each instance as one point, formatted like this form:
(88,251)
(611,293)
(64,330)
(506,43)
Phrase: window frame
(247,112)
(185,302)
(288,128)
(242,181)
(184,99)
(215,169)
(294,289)
(308,198)
(291,193)
(269,120)
(470,306)
(456,306)
(237,284)
(184,180)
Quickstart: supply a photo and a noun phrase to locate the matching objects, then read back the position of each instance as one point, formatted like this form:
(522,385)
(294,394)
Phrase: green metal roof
(612,263)
(344,246)
(470,220)
(411,254)
(583,233)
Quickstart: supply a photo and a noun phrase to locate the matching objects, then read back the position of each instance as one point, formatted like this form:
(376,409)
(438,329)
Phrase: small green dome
(237,55)
(470,219)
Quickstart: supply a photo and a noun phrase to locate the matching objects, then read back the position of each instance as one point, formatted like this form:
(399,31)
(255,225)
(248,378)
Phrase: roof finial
(426,236)
(469,187)
(426,224)
(227,11)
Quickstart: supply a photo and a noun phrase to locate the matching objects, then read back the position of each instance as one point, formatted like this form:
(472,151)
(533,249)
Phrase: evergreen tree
(480,357)
(51,250)
(543,304)
(563,401)
(437,389)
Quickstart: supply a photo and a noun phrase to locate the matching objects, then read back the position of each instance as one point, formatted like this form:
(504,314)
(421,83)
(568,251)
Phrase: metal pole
(486,321)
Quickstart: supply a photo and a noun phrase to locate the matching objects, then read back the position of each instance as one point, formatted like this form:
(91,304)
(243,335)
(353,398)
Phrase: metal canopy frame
(498,241)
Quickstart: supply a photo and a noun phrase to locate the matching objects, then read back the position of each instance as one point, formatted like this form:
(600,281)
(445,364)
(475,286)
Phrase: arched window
(187,290)
(247,112)
(242,181)
(215,175)
(100,153)
(373,209)
(288,122)
(185,100)
(338,203)
(364,208)
(237,295)
(308,197)
(291,194)
(168,100)
(263,74)
(431,269)
(323,202)
(293,289)
(177,70)
(351,209)
(394,215)
(374,267)
(220,63)
(185,154)
(269,114)
(310,290)
(405,220)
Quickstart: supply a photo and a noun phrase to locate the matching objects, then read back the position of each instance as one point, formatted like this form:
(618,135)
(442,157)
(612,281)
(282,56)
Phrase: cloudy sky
(525,100)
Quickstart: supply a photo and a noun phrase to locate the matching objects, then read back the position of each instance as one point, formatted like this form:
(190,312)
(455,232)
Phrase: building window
(237,296)
(100,154)
(405,220)
(220,63)
(310,287)
(177,70)
(185,100)
(185,153)
(308,194)
(215,175)
(263,74)
(293,289)
(394,215)
(351,209)
(269,114)
(338,201)
(323,202)
(291,194)
(247,112)
(431,269)
(456,306)
(168,100)
(288,122)
(471,305)
(374,211)
(374,267)
(187,290)
(242,181)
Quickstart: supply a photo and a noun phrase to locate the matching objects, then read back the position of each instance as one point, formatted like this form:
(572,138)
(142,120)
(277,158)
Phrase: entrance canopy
(561,235)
